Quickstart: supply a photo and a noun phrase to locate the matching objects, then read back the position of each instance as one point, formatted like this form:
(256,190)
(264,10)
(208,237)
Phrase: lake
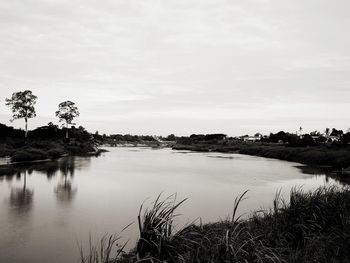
(47,208)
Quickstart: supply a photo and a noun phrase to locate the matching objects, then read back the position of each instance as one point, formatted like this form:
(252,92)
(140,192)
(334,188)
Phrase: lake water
(46,208)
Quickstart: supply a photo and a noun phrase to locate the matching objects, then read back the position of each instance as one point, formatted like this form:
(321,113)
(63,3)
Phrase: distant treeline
(115,139)
(306,148)
(127,137)
(197,138)
(335,137)
(50,131)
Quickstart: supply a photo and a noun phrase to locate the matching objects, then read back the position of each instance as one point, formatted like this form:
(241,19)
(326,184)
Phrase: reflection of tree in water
(65,165)
(64,191)
(328,172)
(21,198)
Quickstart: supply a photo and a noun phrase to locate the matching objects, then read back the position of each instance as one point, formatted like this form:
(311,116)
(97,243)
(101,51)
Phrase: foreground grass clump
(107,251)
(157,231)
(311,227)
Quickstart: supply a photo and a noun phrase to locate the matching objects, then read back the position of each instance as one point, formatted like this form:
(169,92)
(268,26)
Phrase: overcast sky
(180,66)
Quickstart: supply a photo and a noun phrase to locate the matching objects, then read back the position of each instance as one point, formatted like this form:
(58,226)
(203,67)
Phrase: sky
(180,66)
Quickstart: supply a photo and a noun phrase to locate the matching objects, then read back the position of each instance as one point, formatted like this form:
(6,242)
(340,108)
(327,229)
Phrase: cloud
(199,60)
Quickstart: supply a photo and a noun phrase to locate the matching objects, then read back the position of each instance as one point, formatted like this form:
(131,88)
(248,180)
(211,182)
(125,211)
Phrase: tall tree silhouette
(22,106)
(67,111)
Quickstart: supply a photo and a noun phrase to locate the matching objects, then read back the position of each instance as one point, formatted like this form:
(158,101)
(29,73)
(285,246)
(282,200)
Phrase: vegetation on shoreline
(311,227)
(47,142)
(335,155)
(129,140)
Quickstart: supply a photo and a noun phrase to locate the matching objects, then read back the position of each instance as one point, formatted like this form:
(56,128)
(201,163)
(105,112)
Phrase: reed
(312,226)
(108,250)
(157,230)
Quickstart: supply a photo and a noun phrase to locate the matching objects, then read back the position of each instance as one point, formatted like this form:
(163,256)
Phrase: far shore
(334,157)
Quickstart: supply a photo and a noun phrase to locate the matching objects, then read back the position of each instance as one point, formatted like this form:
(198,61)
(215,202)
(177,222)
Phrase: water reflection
(326,172)
(21,198)
(65,166)
(77,196)
(64,191)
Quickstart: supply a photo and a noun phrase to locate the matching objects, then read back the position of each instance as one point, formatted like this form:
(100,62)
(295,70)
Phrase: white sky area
(180,66)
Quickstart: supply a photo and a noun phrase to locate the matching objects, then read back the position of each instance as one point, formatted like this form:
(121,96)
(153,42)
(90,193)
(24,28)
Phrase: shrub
(79,149)
(55,153)
(29,154)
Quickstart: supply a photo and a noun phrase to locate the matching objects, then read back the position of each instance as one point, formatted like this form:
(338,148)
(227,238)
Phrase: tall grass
(311,226)
(108,250)
(157,229)
(226,241)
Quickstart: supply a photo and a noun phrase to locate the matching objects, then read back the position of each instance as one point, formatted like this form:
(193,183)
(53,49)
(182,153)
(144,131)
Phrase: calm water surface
(45,209)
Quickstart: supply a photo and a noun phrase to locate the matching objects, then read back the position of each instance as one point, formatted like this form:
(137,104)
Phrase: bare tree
(22,106)
(67,111)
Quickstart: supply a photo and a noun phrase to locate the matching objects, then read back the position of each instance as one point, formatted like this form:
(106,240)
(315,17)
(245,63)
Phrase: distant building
(256,138)
(315,137)
(333,138)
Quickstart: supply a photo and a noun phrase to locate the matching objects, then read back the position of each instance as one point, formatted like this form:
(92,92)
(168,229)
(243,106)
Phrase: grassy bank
(323,155)
(47,142)
(25,151)
(310,227)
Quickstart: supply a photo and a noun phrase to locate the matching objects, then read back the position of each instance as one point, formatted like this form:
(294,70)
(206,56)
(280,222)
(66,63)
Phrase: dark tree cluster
(131,138)
(334,136)
(201,138)
(6,131)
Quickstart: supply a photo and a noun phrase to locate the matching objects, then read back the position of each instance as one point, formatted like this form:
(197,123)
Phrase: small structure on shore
(256,138)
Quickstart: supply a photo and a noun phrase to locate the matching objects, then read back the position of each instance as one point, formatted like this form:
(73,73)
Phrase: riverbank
(310,227)
(43,143)
(321,155)
(27,151)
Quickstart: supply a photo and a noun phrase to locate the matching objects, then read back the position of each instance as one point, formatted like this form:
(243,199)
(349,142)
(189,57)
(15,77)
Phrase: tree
(171,137)
(67,111)
(336,132)
(22,106)
(346,138)
(315,133)
(327,132)
(300,131)
(321,139)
